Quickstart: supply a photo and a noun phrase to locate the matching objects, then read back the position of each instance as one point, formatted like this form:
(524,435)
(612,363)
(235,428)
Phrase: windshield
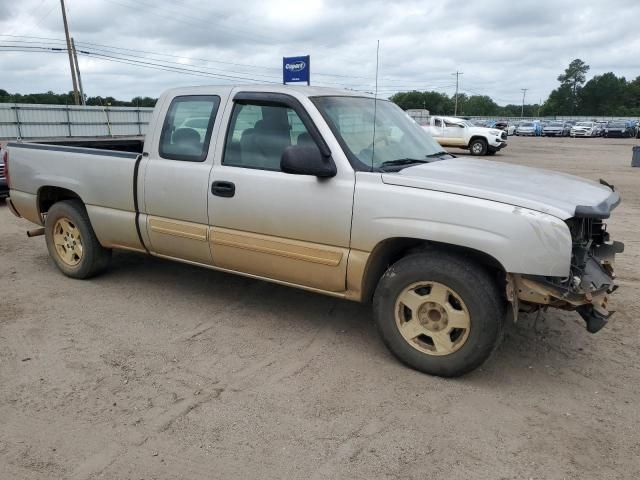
(584,124)
(555,124)
(617,124)
(526,124)
(397,136)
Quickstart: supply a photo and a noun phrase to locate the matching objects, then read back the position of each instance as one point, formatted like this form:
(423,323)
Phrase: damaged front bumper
(586,290)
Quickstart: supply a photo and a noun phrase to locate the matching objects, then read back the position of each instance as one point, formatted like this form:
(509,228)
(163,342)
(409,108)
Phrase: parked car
(619,128)
(583,129)
(556,129)
(533,129)
(511,129)
(484,123)
(502,125)
(600,127)
(460,133)
(295,185)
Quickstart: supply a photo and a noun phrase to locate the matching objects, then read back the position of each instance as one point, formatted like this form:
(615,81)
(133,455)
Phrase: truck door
(176,175)
(454,133)
(437,128)
(291,228)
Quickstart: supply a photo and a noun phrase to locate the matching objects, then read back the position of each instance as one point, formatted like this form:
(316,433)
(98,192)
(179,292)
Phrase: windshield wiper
(401,162)
(437,154)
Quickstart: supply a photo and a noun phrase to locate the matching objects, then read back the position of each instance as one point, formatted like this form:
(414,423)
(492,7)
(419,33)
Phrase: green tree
(480,105)
(435,102)
(632,97)
(603,95)
(560,101)
(574,77)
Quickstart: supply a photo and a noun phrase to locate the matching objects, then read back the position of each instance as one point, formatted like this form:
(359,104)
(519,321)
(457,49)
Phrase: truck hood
(486,131)
(558,194)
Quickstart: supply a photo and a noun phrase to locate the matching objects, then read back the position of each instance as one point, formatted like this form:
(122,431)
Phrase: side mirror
(307,160)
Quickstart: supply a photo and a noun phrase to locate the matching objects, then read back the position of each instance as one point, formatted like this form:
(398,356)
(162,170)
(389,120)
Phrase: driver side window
(259,133)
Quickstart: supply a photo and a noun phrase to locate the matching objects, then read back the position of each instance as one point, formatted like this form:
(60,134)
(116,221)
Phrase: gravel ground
(163,370)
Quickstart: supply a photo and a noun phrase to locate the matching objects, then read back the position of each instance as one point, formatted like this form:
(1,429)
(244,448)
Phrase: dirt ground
(158,370)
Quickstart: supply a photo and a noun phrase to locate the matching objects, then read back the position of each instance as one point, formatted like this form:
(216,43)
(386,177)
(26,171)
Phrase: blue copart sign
(296,69)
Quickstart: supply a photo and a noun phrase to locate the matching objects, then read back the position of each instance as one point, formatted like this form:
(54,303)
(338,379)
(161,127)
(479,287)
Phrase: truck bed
(105,181)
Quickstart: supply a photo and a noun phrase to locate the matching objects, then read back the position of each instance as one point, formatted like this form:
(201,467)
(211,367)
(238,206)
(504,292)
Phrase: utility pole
(75,62)
(457,74)
(76,97)
(539,105)
(524,94)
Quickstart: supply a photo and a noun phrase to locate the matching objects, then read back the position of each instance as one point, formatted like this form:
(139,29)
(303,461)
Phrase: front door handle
(223,189)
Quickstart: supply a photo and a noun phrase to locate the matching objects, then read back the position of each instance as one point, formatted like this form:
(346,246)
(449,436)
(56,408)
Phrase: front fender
(521,240)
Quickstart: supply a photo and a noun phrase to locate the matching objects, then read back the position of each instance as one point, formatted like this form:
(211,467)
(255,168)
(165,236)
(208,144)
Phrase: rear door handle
(223,189)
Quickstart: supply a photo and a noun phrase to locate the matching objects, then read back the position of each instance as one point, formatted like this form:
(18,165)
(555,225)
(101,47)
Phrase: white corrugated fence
(21,120)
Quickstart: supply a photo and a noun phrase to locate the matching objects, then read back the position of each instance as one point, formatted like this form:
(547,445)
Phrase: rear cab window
(187,127)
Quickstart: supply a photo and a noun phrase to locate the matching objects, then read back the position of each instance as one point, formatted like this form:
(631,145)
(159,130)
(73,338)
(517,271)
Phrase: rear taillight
(5,160)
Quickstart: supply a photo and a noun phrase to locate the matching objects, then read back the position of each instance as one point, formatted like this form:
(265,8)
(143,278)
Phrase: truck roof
(308,91)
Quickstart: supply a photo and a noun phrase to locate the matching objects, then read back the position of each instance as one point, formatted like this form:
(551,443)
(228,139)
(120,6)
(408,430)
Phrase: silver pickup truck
(338,193)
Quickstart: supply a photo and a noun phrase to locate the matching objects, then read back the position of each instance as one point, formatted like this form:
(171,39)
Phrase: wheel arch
(48,195)
(390,250)
(477,137)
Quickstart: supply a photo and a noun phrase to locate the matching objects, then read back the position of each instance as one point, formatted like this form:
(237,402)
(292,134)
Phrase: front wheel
(439,313)
(478,146)
(71,241)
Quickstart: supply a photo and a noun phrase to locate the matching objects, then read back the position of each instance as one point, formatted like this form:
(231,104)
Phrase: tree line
(51,98)
(602,95)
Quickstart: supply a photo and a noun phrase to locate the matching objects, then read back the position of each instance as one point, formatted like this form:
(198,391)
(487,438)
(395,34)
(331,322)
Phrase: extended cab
(334,192)
(460,133)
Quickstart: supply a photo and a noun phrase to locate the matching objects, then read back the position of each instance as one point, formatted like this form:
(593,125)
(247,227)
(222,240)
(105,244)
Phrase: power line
(194,22)
(390,83)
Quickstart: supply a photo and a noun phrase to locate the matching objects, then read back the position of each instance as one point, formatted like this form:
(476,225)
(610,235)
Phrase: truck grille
(1,170)
(503,135)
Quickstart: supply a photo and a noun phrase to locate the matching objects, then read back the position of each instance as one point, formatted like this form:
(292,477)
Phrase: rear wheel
(439,313)
(478,146)
(71,241)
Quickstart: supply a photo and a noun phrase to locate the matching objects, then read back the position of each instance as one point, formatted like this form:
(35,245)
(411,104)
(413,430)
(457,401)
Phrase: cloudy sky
(140,47)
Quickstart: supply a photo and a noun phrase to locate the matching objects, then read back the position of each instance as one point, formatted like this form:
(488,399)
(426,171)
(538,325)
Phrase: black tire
(94,258)
(470,282)
(478,147)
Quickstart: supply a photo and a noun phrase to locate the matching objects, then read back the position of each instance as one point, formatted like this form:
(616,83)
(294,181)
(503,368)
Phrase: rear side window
(187,127)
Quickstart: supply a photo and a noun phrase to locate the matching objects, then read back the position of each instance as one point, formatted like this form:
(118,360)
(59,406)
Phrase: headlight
(495,132)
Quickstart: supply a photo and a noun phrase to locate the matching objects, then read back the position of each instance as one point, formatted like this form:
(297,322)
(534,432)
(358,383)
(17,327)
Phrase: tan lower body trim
(192,231)
(179,239)
(257,277)
(355,274)
(314,265)
(295,249)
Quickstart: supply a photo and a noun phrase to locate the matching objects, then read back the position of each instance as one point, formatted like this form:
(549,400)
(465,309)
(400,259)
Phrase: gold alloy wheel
(432,318)
(68,242)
